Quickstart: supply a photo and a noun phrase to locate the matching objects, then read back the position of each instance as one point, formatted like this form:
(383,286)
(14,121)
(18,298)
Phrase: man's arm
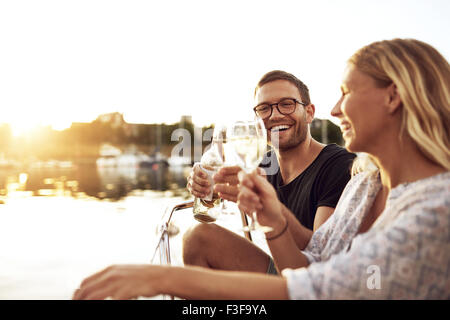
(322,215)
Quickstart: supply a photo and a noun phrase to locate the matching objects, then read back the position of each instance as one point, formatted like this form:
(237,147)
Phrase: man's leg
(211,246)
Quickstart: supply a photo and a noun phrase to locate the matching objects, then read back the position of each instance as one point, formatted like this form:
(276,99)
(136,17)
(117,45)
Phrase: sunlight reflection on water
(49,244)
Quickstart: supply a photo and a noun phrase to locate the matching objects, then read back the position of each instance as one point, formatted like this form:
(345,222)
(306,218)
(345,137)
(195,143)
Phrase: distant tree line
(83,140)
(333,132)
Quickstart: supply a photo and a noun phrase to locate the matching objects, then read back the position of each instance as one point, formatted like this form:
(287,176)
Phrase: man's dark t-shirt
(320,184)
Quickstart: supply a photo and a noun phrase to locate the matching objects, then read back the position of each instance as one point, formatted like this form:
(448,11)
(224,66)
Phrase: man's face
(291,129)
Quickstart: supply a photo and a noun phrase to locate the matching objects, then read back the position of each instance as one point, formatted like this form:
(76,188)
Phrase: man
(309,181)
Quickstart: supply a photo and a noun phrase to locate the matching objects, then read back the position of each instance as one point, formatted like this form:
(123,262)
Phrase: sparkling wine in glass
(249,141)
(206,209)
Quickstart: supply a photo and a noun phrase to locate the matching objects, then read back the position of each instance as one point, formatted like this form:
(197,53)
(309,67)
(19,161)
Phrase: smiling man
(309,181)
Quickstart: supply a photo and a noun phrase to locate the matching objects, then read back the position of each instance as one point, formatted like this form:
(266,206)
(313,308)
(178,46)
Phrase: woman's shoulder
(434,186)
(364,179)
(423,204)
(357,194)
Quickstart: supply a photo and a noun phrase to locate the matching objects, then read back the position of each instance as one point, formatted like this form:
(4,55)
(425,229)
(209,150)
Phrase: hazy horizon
(64,61)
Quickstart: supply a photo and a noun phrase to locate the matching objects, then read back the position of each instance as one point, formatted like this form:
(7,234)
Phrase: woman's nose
(336,111)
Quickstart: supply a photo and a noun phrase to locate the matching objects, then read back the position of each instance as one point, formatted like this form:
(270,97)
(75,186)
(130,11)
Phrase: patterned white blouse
(404,255)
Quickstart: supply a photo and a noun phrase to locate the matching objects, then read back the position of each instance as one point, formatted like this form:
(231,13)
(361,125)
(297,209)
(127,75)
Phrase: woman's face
(362,111)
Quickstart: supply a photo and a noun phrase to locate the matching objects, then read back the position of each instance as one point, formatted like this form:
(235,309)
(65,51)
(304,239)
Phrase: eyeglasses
(285,106)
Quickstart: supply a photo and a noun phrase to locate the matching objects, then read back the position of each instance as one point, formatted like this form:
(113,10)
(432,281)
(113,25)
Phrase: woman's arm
(288,235)
(200,283)
(132,281)
(285,247)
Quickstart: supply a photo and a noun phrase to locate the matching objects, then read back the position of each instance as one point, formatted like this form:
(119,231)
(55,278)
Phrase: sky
(154,61)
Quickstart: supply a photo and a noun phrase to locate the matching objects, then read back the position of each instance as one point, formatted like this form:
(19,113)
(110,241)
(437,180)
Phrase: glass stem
(254,221)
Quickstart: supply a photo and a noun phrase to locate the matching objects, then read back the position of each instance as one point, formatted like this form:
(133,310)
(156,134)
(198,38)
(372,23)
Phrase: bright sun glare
(130,59)
(24,128)
(21,128)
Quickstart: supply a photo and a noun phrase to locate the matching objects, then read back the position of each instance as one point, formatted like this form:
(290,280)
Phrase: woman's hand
(257,194)
(120,283)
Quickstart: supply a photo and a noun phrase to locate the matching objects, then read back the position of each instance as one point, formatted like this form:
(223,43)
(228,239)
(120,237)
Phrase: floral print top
(404,255)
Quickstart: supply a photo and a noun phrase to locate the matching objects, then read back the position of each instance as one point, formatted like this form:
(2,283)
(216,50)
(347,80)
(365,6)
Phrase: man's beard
(296,138)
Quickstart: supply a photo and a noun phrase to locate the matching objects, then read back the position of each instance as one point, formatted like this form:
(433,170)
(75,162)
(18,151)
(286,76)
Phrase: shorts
(271,268)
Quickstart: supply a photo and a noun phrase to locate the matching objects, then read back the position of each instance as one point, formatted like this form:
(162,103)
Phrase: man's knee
(196,243)
(212,246)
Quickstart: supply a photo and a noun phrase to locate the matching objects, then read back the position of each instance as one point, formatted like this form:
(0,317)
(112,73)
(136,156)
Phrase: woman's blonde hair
(363,163)
(422,77)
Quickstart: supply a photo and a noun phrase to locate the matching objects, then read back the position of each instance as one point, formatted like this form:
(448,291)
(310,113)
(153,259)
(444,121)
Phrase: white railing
(163,245)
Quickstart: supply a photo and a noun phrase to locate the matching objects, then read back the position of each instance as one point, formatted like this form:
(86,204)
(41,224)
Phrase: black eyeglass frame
(271,105)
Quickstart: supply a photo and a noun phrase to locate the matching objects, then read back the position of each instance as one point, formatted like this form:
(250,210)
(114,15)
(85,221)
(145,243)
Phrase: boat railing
(163,244)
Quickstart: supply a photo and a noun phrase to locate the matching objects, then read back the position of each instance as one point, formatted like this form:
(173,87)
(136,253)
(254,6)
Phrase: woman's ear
(394,102)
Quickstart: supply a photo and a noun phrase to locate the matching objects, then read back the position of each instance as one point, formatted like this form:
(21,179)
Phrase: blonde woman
(389,237)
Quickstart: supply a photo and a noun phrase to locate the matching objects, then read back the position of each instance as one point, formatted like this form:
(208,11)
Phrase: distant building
(115,119)
(186,119)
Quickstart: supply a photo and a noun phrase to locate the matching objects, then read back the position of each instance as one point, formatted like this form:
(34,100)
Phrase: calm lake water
(59,225)
(85,177)
(81,222)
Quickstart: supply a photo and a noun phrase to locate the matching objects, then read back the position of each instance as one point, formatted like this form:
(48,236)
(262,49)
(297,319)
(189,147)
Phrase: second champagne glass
(221,129)
(249,141)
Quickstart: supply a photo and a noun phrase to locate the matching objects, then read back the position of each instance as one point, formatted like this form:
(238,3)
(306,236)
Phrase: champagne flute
(229,159)
(205,209)
(249,141)
(217,156)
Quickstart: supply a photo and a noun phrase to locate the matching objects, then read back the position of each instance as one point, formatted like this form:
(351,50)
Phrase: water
(50,243)
(85,177)
(59,225)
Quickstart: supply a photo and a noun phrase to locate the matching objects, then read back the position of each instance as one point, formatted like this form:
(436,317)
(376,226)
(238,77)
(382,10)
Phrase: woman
(389,235)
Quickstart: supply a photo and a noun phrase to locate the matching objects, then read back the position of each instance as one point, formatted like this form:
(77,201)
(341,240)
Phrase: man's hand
(226,183)
(198,183)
